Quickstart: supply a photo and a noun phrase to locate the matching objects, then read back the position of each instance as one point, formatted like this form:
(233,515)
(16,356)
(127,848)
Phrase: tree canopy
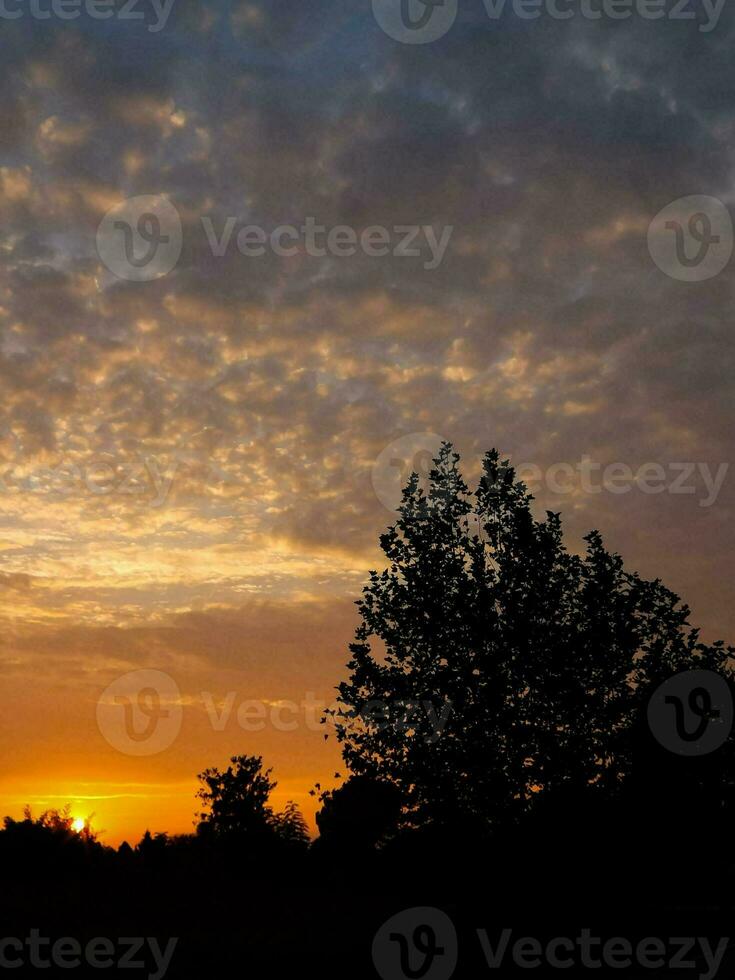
(544,659)
(236,805)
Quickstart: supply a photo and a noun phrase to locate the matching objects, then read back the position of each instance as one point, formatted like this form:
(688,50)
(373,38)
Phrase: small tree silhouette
(356,816)
(236,805)
(290,826)
(236,800)
(544,659)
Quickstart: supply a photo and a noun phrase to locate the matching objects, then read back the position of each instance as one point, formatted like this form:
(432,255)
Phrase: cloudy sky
(196,466)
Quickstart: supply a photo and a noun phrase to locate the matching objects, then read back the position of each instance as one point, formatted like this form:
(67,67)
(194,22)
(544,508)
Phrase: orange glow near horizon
(117,819)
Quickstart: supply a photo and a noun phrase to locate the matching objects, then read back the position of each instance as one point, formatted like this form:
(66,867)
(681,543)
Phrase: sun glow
(78,825)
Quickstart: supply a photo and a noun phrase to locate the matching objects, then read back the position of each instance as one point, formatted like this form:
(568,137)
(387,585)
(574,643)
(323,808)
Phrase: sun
(78,825)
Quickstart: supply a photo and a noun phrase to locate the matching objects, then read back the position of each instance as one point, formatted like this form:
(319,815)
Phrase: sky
(200,451)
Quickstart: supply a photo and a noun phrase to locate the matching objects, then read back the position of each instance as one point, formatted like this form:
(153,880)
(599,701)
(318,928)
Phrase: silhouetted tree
(152,850)
(543,659)
(47,843)
(236,805)
(290,827)
(358,814)
(236,800)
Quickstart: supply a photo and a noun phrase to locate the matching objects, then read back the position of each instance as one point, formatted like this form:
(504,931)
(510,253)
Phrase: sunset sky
(219,426)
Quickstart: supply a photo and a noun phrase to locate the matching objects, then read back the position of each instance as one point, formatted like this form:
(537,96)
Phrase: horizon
(215,721)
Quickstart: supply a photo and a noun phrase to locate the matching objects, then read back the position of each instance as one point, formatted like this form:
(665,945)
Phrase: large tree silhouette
(546,658)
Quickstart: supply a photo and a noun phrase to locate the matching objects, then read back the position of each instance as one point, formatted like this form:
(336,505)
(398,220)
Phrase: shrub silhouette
(546,659)
(47,844)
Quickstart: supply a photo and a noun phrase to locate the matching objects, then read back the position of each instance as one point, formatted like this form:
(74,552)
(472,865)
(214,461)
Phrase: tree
(236,800)
(236,806)
(544,660)
(356,816)
(290,827)
(152,850)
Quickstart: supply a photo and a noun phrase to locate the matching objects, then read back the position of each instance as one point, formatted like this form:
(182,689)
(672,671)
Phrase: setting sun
(78,825)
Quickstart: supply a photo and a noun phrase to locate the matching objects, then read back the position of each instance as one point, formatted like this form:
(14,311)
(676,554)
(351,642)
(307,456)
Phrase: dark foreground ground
(317,914)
